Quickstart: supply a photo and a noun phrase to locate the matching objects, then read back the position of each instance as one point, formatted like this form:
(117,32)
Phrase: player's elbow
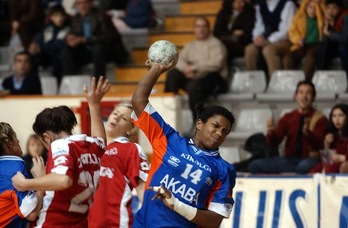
(63,183)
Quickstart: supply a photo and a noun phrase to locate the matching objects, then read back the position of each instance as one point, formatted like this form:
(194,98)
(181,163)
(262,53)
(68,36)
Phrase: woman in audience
(305,34)
(336,142)
(123,167)
(335,40)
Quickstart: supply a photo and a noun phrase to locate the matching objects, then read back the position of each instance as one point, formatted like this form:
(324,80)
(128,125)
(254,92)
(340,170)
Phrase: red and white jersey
(78,157)
(122,165)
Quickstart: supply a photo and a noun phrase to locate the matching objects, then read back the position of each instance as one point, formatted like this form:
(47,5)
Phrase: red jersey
(78,157)
(122,165)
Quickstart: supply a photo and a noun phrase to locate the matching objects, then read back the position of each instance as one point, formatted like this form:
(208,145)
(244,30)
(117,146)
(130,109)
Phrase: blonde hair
(132,135)
(6,133)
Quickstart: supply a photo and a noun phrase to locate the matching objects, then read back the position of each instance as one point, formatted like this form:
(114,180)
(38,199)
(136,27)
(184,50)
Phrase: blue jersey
(14,205)
(199,178)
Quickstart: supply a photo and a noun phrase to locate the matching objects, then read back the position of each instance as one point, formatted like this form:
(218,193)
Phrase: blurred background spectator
(305,34)
(336,142)
(34,148)
(27,19)
(303,128)
(233,26)
(202,67)
(92,38)
(48,44)
(137,14)
(23,81)
(270,41)
(335,41)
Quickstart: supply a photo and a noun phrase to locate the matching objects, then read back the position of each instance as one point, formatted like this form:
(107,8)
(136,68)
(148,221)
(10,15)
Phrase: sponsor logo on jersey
(112,151)
(177,187)
(208,181)
(193,160)
(106,172)
(59,151)
(174,161)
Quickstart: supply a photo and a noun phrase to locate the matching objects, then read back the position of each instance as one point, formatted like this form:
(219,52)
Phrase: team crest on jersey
(174,161)
(208,181)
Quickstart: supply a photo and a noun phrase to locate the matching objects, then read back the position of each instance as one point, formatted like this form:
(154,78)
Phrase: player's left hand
(97,91)
(18,181)
(163,194)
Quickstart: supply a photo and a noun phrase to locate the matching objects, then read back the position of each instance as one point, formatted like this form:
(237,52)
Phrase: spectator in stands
(202,67)
(337,140)
(335,41)
(27,19)
(233,26)
(23,81)
(305,34)
(5,23)
(35,148)
(270,42)
(137,14)
(304,129)
(92,38)
(48,44)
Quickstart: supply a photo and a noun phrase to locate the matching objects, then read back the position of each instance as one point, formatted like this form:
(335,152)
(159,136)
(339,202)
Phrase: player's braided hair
(204,113)
(6,134)
(57,119)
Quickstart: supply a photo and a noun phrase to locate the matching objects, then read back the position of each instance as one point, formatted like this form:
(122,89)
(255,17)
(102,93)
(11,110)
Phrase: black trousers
(197,89)
(99,54)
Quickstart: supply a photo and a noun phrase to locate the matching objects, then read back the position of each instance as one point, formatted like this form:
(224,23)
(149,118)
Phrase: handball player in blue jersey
(189,184)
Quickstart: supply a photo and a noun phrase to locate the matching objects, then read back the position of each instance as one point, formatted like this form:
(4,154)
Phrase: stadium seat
(249,122)
(281,86)
(244,86)
(49,85)
(329,84)
(73,84)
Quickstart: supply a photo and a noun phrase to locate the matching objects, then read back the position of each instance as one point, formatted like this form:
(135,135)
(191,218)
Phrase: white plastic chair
(250,121)
(244,85)
(73,84)
(49,85)
(329,83)
(282,86)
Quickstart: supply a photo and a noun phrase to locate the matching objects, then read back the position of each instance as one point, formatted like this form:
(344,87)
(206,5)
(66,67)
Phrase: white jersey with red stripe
(78,157)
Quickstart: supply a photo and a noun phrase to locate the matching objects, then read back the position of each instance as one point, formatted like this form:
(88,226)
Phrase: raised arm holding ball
(189,184)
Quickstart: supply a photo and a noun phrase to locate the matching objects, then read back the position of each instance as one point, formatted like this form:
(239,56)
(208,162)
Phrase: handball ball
(163,52)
